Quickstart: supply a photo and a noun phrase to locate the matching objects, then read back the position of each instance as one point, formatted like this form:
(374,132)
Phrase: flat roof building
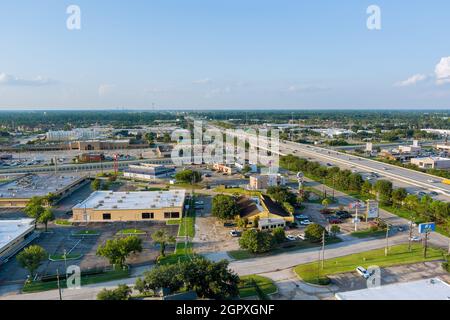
(432,163)
(424,289)
(104,206)
(18,192)
(148,172)
(14,235)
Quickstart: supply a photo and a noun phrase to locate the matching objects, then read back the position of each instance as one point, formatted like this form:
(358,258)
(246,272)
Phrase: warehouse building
(17,193)
(148,172)
(108,206)
(14,235)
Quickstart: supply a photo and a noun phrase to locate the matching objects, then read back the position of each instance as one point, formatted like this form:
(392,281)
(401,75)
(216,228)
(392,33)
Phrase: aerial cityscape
(194,151)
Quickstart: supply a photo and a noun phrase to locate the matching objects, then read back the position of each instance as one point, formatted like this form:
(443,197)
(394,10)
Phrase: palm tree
(162,238)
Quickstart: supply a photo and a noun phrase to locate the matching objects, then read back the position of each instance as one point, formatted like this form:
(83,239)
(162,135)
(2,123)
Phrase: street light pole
(387,240)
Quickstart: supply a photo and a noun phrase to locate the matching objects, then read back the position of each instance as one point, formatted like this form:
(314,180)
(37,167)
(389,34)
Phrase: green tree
(384,191)
(46,216)
(281,194)
(188,176)
(163,238)
(335,229)
(398,196)
(122,292)
(35,208)
(224,207)
(366,188)
(117,250)
(256,241)
(279,235)
(211,280)
(314,232)
(31,257)
(325,203)
(96,184)
(161,277)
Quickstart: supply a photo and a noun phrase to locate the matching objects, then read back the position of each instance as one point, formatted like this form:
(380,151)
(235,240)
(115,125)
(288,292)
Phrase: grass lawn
(37,286)
(368,234)
(237,191)
(297,245)
(182,253)
(173,221)
(398,255)
(129,232)
(248,289)
(60,257)
(63,222)
(86,233)
(187,225)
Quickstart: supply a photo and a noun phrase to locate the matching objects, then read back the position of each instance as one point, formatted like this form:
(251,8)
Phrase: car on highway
(290,237)
(363,272)
(431,181)
(415,239)
(305,222)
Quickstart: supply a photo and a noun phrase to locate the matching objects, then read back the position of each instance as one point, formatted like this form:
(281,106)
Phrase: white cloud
(105,89)
(442,71)
(411,80)
(10,80)
(202,81)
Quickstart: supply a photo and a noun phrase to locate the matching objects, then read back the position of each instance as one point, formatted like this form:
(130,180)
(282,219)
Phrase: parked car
(235,233)
(300,217)
(334,220)
(415,239)
(362,272)
(342,214)
(291,237)
(305,222)
(301,236)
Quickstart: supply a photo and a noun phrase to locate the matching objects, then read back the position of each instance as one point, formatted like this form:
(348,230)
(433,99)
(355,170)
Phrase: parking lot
(211,235)
(61,238)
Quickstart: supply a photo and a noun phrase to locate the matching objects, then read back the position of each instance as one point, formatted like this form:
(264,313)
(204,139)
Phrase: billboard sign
(372,209)
(427,227)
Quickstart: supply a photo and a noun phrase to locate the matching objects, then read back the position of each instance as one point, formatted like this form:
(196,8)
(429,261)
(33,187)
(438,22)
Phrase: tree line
(420,209)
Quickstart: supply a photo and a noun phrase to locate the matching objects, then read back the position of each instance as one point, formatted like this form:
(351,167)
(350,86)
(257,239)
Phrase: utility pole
(410,235)
(425,244)
(323,248)
(59,285)
(387,240)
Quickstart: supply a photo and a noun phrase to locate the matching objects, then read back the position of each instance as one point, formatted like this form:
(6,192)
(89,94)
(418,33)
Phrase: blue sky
(224,54)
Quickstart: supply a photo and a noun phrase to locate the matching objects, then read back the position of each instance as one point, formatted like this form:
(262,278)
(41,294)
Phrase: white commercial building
(424,289)
(14,235)
(432,162)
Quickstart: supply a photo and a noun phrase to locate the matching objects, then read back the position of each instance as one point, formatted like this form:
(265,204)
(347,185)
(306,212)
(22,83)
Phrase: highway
(412,180)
